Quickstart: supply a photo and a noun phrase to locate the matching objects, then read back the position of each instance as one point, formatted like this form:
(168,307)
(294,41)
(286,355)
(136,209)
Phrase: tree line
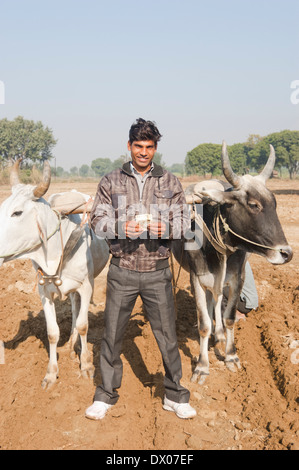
(250,156)
(34,143)
(102,166)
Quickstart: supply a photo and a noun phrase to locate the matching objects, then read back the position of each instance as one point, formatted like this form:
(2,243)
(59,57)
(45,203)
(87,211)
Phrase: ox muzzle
(280,255)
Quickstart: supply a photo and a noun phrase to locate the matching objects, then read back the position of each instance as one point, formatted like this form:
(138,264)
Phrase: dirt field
(256,408)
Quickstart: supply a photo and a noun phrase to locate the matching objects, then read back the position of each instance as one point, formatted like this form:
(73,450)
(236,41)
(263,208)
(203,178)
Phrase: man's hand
(157,229)
(133,229)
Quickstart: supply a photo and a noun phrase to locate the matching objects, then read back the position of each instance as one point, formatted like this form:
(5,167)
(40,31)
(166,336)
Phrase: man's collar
(133,169)
(156,170)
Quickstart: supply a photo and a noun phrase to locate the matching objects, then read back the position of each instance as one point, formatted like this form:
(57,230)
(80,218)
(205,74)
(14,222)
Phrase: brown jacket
(118,200)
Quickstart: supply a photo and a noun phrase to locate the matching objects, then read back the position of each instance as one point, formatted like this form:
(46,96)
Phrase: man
(139,209)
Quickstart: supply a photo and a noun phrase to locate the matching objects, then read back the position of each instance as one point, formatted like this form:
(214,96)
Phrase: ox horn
(231,177)
(268,170)
(43,186)
(14,173)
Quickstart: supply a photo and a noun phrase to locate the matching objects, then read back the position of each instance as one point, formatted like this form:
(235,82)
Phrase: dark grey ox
(242,219)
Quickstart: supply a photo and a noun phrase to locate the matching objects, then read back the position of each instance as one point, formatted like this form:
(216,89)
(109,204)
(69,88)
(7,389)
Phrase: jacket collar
(157,171)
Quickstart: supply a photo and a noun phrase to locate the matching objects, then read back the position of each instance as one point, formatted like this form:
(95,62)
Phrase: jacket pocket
(163,196)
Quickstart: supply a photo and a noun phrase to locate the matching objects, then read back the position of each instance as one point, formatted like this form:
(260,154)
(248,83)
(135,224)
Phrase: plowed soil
(255,408)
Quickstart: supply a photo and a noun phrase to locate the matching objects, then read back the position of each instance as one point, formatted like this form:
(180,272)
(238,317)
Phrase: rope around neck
(228,229)
(217,241)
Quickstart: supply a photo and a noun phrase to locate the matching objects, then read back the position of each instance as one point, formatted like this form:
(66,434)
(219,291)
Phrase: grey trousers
(155,289)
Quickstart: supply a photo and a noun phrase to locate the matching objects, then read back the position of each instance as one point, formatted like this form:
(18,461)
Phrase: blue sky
(204,71)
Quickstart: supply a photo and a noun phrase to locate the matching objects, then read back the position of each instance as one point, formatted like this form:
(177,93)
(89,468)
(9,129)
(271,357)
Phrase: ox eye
(17,214)
(254,206)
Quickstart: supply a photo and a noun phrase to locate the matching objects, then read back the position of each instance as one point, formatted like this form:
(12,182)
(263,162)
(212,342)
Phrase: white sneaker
(182,410)
(97,410)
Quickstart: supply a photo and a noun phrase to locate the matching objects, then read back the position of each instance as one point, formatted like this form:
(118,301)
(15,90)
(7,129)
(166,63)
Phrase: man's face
(142,153)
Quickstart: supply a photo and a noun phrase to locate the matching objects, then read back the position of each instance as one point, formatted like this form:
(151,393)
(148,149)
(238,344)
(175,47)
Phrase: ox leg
(214,307)
(219,330)
(75,303)
(231,357)
(87,368)
(210,306)
(53,336)
(204,327)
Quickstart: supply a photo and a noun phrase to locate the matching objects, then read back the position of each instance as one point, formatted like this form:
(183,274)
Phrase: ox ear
(214,196)
(42,230)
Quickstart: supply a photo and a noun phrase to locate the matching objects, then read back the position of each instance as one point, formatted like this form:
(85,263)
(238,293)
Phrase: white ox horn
(14,173)
(43,186)
(231,177)
(268,170)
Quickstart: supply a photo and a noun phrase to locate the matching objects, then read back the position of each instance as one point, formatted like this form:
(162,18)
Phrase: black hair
(144,130)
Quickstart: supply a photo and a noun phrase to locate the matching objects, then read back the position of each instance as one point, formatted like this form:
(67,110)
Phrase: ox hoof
(73,355)
(200,376)
(49,381)
(233,364)
(51,377)
(202,379)
(87,371)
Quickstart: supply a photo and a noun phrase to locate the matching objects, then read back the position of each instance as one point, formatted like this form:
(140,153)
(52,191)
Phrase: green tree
(177,169)
(74,171)
(286,145)
(238,155)
(29,140)
(119,162)
(84,171)
(102,166)
(253,140)
(203,159)
(59,171)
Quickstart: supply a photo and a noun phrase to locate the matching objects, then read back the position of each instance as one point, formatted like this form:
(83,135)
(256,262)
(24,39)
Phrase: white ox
(30,229)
